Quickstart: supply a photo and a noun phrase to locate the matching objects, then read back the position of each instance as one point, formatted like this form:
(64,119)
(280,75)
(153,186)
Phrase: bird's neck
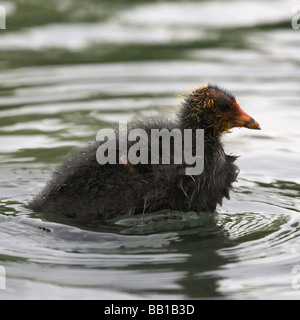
(212,140)
(203,120)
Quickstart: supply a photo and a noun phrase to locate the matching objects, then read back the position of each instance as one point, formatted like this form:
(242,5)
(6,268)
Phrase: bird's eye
(224,107)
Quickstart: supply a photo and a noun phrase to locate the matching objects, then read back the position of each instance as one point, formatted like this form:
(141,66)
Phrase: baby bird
(84,190)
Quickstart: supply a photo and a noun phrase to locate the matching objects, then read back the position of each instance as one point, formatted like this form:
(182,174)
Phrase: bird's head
(214,110)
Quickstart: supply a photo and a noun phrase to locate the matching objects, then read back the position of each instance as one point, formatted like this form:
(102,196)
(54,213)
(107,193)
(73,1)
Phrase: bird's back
(85,190)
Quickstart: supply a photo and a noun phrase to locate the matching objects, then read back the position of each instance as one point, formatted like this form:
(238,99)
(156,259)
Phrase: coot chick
(87,191)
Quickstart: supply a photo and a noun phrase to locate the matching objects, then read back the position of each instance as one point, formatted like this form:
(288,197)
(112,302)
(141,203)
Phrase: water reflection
(178,260)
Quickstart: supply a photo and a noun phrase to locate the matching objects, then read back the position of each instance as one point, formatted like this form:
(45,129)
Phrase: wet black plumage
(85,190)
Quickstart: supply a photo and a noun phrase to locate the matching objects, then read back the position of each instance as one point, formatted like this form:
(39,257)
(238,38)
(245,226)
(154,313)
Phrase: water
(69,69)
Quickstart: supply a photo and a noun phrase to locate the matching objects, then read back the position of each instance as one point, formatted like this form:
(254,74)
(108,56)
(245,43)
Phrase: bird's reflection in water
(177,251)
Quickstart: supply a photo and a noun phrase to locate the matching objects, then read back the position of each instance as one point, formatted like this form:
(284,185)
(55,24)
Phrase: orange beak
(242,119)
